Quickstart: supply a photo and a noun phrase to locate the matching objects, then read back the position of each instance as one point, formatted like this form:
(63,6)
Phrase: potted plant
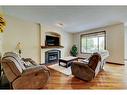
(74,51)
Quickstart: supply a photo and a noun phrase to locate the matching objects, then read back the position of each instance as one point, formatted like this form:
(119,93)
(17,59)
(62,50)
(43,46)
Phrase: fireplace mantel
(45,47)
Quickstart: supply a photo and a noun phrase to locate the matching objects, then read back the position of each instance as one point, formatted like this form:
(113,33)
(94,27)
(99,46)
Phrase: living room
(30,35)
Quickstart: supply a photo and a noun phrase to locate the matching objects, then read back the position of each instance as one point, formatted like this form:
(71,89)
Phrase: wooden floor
(113,77)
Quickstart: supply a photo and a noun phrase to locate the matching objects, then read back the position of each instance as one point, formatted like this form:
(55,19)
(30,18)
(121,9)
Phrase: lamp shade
(19,46)
(2,23)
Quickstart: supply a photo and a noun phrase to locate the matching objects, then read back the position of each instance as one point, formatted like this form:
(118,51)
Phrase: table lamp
(19,48)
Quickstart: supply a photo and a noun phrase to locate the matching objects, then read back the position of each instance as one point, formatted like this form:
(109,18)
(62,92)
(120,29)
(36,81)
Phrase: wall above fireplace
(52,40)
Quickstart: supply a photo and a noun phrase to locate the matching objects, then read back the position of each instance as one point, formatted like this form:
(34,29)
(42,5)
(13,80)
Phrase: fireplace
(52,56)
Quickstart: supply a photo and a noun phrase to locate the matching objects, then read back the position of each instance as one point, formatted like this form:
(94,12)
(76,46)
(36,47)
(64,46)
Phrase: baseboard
(114,63)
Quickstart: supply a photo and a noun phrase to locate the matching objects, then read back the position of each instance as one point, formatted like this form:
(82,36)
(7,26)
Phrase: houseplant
(74,51)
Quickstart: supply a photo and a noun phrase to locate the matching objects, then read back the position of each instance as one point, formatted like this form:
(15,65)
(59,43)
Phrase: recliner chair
(87,71)
(21,77)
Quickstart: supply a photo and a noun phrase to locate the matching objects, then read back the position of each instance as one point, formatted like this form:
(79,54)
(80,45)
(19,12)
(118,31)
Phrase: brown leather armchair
(87,71)
(21,77)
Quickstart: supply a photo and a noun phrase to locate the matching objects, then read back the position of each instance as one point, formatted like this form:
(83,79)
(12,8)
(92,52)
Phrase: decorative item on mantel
(19,48)
(44,47)
(2,23)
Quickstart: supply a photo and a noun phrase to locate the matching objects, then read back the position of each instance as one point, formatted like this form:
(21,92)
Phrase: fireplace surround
(52,56)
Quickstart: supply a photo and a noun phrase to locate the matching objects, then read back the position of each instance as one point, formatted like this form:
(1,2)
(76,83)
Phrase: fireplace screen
(52,56)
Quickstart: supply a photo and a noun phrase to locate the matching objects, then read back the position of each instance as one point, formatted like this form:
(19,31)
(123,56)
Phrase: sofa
(24,77)
(104,55)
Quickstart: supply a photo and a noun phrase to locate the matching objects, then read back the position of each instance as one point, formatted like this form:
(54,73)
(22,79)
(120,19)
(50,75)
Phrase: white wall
(66,41)
(26,32)
(114,41)
(125,43)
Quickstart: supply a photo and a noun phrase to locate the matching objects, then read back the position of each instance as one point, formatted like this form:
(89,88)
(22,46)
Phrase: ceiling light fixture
(61,25)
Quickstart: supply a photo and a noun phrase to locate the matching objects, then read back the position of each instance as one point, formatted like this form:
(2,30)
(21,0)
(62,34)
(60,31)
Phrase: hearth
(52,56)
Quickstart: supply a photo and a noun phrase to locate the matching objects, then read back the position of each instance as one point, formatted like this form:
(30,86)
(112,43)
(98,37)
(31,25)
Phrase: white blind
(93,42)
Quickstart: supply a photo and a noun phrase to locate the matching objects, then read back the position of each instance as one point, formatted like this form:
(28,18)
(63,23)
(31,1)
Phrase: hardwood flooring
(113,77)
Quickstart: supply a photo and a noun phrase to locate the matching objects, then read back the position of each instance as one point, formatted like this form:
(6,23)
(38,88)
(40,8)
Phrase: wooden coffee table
(67,60)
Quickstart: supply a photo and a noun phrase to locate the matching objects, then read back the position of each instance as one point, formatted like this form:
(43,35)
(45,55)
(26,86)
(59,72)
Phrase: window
(93,42)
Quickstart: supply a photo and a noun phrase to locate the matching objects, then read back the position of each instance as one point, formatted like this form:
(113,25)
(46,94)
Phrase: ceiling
(73,18)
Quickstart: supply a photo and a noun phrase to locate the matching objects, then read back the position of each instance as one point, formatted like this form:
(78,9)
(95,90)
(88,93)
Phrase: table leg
(66,64)
(59,62)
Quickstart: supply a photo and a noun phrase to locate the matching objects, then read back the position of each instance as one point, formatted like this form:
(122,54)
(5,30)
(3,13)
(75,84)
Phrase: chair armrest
(86,61)
(30,71)
(34,69)
(84,64)
(30,61)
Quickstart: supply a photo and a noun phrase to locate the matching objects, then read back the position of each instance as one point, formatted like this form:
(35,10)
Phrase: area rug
(66,71)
